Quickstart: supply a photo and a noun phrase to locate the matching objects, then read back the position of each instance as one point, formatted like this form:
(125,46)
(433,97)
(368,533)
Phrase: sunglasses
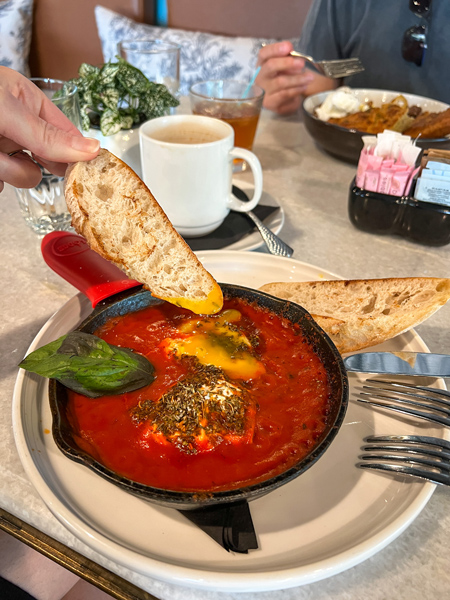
(414,41)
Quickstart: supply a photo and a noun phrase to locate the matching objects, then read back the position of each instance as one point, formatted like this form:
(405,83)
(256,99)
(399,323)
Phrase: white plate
(330,518)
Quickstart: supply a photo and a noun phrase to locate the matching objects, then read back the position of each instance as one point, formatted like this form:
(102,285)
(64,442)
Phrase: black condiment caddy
(421,222)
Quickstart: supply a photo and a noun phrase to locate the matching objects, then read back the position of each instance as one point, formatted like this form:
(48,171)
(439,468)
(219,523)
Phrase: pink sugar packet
(361,169)
(398,183)
(371,177)
(401,167)
(410,180)
(384,182)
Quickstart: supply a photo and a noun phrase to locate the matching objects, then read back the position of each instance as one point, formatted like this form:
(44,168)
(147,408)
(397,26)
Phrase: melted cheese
(206,306)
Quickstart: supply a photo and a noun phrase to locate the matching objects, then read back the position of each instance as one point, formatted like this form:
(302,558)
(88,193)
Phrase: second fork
(421,402)
(418,456)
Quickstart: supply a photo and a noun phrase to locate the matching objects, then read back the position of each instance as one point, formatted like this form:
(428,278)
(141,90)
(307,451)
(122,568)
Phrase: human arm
(285,79)
(30,121)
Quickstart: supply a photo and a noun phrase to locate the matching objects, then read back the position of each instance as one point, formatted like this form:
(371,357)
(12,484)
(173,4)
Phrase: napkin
(230,525)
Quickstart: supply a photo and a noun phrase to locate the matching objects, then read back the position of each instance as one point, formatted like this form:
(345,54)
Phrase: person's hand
(30,121)
(285,80)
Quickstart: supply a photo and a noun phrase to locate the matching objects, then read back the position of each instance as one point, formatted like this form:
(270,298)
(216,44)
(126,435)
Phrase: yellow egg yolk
(210,305)
(215,342)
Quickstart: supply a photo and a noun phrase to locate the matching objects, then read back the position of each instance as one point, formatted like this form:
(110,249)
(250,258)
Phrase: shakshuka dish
(238,398)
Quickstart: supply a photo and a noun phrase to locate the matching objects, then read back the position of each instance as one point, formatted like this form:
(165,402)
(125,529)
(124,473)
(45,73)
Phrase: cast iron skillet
(55,250)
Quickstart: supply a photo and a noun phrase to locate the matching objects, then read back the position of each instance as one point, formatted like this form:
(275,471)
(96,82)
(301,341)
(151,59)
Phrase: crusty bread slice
(363,312)
(121,220)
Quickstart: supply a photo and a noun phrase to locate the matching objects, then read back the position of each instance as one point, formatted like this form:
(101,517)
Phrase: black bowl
(347,144)
(133,300)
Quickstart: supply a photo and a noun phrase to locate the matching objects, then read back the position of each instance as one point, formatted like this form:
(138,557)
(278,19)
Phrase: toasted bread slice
(121,220)
(360,313)
(430,125)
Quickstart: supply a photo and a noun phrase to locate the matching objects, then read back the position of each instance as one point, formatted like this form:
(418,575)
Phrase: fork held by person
(402,46)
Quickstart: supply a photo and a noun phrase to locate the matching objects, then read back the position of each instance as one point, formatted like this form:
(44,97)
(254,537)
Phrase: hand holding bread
(360,313)
(121,220)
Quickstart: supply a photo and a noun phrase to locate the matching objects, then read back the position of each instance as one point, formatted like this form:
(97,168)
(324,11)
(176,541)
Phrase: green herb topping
(200,411)
(90,366)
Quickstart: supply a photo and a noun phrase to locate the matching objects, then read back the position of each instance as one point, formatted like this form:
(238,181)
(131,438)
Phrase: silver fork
(419,456)
(422,402)
(335,69)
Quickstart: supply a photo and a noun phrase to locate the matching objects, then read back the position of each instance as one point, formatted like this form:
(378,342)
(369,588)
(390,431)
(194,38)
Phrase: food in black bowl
(276,395)
(346,142)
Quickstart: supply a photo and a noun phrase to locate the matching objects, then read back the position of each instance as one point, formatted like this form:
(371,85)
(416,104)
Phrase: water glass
(68,102)
(233,102)
(44,207)
(158,60)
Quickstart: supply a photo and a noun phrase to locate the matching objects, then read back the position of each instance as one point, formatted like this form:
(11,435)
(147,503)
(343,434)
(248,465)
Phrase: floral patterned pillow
(15,33)
(202,55)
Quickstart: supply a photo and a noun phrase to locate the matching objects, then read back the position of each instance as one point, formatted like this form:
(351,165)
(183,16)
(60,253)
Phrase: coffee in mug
(189,134)
(187,164)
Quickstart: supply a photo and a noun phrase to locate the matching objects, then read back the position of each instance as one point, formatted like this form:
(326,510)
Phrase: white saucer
(329,519)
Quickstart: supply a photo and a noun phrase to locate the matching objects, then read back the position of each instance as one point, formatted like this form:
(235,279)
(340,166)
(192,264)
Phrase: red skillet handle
(70,256)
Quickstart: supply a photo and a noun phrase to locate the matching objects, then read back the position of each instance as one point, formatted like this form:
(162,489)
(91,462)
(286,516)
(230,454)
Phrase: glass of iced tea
(233,102)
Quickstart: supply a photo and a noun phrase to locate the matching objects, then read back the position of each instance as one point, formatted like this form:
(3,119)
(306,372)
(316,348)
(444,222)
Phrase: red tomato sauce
(292,396)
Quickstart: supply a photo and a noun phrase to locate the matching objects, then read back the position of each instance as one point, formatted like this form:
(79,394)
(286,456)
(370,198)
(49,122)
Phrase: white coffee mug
(187,164)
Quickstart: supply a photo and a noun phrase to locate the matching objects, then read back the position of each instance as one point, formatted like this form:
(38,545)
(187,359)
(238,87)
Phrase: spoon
(274,244)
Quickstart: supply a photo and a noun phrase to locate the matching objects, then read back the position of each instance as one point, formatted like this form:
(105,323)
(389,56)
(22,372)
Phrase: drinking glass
(233,102)
(158,60)
(44,207)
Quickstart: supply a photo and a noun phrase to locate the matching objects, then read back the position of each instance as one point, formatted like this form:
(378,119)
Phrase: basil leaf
(90,366)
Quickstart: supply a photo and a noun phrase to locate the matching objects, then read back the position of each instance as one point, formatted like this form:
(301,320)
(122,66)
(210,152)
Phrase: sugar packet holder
(384,214)
(387,163)
(424,221)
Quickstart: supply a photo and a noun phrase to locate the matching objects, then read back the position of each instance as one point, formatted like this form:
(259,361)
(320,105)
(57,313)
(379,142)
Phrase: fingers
(284,92)
(284,102)
(283,78)
(56,168)
(19,170)
(286,64)
(277,50)
(55,140)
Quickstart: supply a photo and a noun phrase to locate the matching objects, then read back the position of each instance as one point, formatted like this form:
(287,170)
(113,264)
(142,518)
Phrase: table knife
(400,363)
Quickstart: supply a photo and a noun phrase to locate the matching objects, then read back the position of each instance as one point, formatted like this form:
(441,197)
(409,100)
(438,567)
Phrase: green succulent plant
(118,95)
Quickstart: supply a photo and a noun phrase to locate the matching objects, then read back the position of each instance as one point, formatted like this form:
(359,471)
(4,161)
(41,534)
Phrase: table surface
(312,188)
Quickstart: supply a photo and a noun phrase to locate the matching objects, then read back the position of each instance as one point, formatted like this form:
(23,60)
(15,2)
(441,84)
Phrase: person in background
(402,45)
(30,121)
